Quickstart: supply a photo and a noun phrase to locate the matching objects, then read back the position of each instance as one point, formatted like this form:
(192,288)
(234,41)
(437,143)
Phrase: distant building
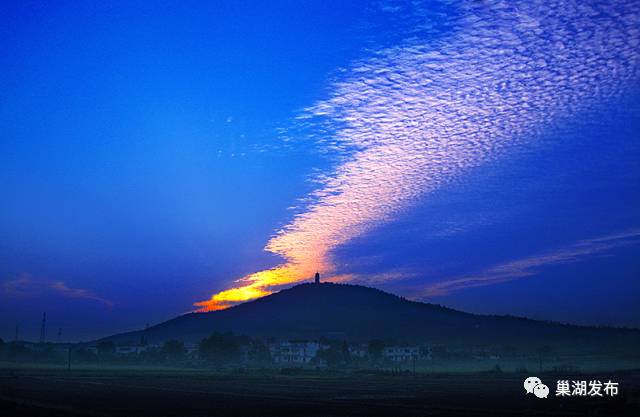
(294,352)
(358,351)
(129,349)
(60,348)
(481,353)
(317,280)
(406,353)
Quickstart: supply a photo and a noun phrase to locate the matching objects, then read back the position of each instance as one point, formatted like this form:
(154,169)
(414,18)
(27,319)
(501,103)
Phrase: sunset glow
(417,116)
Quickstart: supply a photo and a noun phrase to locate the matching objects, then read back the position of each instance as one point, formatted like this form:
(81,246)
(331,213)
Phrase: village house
(295,352)
(125,350)
(358,351)
(406,353)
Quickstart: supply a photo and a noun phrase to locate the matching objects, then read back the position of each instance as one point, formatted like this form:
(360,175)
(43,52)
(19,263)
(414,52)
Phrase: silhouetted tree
(375,349)
(259,352)
(106,349)
(174,349)
(84,355)
(152,355)
(336,354)
(220,348)
(331,356)
(17,350)
(326,341)
(440,352)
(43,352)
(346,355)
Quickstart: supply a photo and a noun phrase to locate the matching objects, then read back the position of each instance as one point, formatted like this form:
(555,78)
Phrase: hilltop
(359,314)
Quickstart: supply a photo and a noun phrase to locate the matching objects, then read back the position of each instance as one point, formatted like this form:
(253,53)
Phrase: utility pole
(43,328)
(59,334)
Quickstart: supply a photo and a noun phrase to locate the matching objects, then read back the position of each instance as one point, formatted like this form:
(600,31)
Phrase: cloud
(61,288)
(411,118)
(20,286)
(529,266)
(25,286)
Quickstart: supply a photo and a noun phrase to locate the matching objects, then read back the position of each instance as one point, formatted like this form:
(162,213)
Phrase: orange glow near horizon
(231,296)
(256,285)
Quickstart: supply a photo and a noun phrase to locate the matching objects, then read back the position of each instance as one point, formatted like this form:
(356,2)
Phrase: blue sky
(481,157)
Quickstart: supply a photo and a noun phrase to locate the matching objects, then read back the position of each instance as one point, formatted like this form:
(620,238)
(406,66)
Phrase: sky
(181,156)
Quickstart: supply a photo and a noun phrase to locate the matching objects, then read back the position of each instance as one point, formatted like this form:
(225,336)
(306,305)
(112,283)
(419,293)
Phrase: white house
(406,353)
(294,352)
(358,351)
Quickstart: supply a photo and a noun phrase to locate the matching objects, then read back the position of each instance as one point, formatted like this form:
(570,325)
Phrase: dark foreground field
(182,393)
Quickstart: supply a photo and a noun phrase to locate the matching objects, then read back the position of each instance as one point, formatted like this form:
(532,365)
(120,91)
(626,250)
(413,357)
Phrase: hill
(359,314)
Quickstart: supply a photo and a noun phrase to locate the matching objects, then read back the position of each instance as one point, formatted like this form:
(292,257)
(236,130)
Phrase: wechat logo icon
(534,385)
